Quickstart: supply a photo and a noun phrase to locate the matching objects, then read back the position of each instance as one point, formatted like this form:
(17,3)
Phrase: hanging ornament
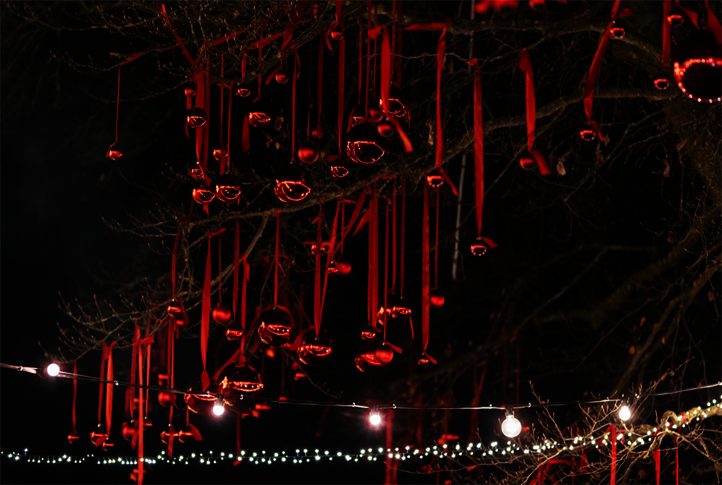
(221,314)
(397,108)
(531,156)
(166,399)
(308,152)
(436,298)
(375,115)
(189,434)
(336,34)
(73,437)
(293,184)
(244,90)
(482,245)
(384,353)
(234,331)
(167,433)
(369,332)
(181,319)
(385,128)
(398,306)
(200,401)
(698,66)
(244,379)
(99,434)
(196,117)
(107,445)
(275,326)
(618,29)
(314,350)
(588,133)
(366,360)
(129,430)
(281,77)
(435,179)
(191,90)
(175,306)
(340,266)
(195,171)
(228,187)
(203,194)
(260,114)
(355,118)
(364,145)
(113,152)
(338,165)
(511,427)
(661,81)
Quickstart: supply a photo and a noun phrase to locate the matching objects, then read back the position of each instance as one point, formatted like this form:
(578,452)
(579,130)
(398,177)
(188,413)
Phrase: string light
(625,413)
(511,427)
(53,370)
(218,408)
(374,418)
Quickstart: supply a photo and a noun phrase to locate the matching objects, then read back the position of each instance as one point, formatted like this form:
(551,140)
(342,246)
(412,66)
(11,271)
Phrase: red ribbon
(319,97)
(713,23)
(399,32)
(168,24)
(341,82)
(613,437)
(666,31)
(690,13)
(236,249)
(425,271)
(139,472)
(171,378)
(402,252)
(525,65)
(117,110)
(275,261)
(386,265)
(75,393)
(246,270)
(206,311)
(676,457)
(656,455)
(355,214)
(109,391)
(478,146)
(103,356)
(173,259)
(293,109)
(317,279)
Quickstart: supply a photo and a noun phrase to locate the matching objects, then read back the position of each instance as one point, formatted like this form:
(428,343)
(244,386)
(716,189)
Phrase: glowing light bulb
(625,413)
(511,427)
(53,370)
(218,408)
(375,418)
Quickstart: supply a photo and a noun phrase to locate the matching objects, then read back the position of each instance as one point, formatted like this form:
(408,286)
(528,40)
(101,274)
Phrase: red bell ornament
(175,306)
(397,108)
(385,128)
(244,379)
(384,353)
(435,179)
(201,403)
(364,145)
(73,437)
(308,152)
(260,113)
(234,331)
(369,332)
(98,435)
(293,184)
(698,67)
(618,29)
(166,399)
(340,266)
(196,117)
(375,115)
(314,350)
(228,188)
(195,171)
(338,165)
(203,194)
(129,430)
(221,315)
(275,326)
(436,298)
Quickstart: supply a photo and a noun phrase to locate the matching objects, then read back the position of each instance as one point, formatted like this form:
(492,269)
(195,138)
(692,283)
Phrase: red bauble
(340,266)
(195,171)
(73,437)
(98,435)
(618,31)
(479,248)
(308,152)
(175,306)
(107,445)
(435,179)
(317,132)
(357,116)
(398,306)
(587,133)
(244,379)
(186,435)
(203,194)
(202,403)
(661,81)
(527,161)
(221,314)
(385,128)
(336,34)
(675,17)
(314,350)
(196,117)
(228,188)
(275,326)
(339,166)
(375,115)
(234,331)
(369,332)
(436,298)
(166,434)
(281,77)
(423,360)
(260,113)
(166,399)
(698,67)
(129,430)
(397,108)
(219,153)
(384,353)
(113,154)
(181,319)
(364,145)
(293,184)
(191,90)
(243,90)
(366,360)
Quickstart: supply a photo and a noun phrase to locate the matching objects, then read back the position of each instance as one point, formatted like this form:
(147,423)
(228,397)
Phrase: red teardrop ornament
(221,314)
(436,298)
(196,117)
(308,152)
(275,326)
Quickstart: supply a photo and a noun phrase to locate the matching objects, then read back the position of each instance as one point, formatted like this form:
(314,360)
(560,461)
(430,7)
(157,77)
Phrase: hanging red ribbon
(525,66)
(246,270)
(236,249)
(75,395)
(341,84)
(425,304)
(171,379)
(656,455)
(399,32)
(713,23)
(402,256)
(109,391)
(206,311)
(113,154)
(293,108)
(478,146)
(319,95)
(613,438)
(666,32)
(103,358)
(317,278)
(174,265)
(597,65)
(275,261)
(140,422)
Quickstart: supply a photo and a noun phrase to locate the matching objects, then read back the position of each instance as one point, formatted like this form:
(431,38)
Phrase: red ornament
(385,128)
(435,179)
(113,154)
(364,145)
(202,403)
(588,133)
(375,115)
(196,117)
(175,306)
(99,435)
(259,114)
(317,132)
(369,332)
(202,194)
(340,266)
(244,379)
(107,445)
(191,90)
(281,77)
(527,161)
(129,430)
(314,350)
(275,327)
(166,434)
(338,164)
(196,172)
(244,90)
(397,108)
(661,81)
(366,360)
(221,314)
(336,34)
(384,354)
(479,248)
(675,17)
(228,188)
(423,360)
(399,306)
(219,153)
(355,118)
(698,68)
(73,437)
(436,298)
(186,435)
(308,152)
(293,184)
(181,319)
(617,31)
(166,399)
(234,331)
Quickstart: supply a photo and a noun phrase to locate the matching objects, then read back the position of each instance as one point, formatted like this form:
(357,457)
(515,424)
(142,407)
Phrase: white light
(375,418)
(218,408)
(625,413)
(511,427)
(53,370)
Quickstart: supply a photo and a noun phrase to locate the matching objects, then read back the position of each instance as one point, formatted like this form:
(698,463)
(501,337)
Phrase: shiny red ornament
(129,430)
(527,161)
(308,152)
(384,354)
(317,132)
(588,133)
(423,360)
(244,90)
(617,31)
(314,350)
(186,435)
(175,306)
(202,194)
(293,184)
(436,298)
(340,266)
(398,306)
(196,117)
(113,154)
(366,360)
(364,145)
(385,128)
(675,17)
(202,403)
(166,434)
(181,319)
(375,115)
(244,379)
(397,108)
(234,331)
(338,165)
(196,172)
(275,326)
(107,445)
(228,188)
(259,113)
(336,34)
(98,435)
(356,117)
(219,153)
(73,437)
(698,67)
(281,77)
(369,332)
(221,315)
(479,248)
(435,179)
(191,90)
(166,399)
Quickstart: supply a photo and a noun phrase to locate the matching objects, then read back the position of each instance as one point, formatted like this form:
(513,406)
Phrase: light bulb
(53,370)
(218,408)
(511,427)
(375,418)
(625,413)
